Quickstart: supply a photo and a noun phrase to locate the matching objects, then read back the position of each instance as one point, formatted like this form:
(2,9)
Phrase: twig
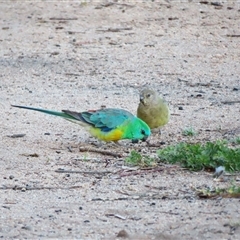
(18,135)
(82,172)
(115,199)
(230,102)
(120,216)
(172,213)
(30,155)
(72,74)
(118,4)
(62,18)
(138,172)
(233,35)
(24,188)
(87,159)
(104,152)
(115,29)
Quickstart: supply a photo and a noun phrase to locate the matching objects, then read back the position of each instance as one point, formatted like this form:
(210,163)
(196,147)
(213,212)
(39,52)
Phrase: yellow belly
(113,135)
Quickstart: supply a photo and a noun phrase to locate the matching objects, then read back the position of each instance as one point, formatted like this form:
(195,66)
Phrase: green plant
(233,191)
(189,131)
(202,156)
(136,159)
(236,140)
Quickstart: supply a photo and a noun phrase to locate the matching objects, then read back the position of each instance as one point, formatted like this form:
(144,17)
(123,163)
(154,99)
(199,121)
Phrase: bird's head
(147,96)
(139,130)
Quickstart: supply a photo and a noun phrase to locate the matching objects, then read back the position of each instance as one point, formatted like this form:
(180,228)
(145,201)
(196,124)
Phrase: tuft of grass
(236,140)
(202,156)
(136,159)
(232,191)
(189,131)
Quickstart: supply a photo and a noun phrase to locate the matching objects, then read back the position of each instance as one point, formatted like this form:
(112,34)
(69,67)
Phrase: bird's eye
(148,95)
(143,132)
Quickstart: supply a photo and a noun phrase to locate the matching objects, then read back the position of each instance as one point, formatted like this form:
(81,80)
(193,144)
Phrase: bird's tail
(51,112)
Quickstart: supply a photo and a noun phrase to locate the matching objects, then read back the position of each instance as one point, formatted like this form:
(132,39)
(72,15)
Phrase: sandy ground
(80,56)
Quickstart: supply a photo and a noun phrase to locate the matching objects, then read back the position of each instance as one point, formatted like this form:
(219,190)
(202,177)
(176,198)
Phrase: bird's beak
(142,100)
(145,139)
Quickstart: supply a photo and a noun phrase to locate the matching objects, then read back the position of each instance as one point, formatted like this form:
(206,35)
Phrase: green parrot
(109,124)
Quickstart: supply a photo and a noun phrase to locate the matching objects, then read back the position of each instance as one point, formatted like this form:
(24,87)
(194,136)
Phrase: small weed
(136,159)
(85,157)
(83,4)
(202,156)
(232,191)
(236,141)
(189,131)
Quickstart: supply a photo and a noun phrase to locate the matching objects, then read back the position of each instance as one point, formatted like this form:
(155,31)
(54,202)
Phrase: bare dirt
(80,56)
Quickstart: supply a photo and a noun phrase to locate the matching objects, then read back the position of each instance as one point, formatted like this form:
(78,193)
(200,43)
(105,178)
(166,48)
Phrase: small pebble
(26,227)
(122,234)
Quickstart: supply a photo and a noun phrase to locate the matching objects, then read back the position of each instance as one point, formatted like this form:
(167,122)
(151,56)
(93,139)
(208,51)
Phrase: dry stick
(63,19)
(233,35)
(38,188)
(230,102)
(18,135)
(114,29)
(104,152)
(129,173)
(172,213)
(118,4)
(82,172)
(72,74)
(132,197)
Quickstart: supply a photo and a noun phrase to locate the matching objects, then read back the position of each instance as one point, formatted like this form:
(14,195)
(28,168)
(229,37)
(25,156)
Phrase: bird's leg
(156,131)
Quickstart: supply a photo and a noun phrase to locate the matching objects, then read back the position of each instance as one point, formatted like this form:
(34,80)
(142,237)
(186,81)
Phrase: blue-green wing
(106,119)
(110,118)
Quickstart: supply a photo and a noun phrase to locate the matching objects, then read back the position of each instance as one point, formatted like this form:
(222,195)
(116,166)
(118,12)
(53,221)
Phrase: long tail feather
(55,113)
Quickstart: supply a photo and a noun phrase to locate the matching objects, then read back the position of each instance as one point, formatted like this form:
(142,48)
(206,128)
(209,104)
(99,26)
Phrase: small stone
(26,228)
(122,234)
(180,108)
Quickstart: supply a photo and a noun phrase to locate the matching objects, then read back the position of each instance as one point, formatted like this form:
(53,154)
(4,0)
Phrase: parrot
(152,109)
(108,124)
